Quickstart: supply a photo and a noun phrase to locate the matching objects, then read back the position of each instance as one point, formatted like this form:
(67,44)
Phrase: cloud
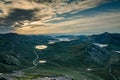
(18,15)
(101,22)
(29,17)
(48,9)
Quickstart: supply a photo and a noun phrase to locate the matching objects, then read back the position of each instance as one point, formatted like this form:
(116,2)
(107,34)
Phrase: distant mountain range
(76,52)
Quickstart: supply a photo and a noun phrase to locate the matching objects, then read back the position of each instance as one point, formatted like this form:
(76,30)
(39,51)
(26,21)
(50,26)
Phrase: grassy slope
(50,69)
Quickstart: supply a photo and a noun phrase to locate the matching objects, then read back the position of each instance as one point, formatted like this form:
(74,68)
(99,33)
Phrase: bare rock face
(55,78)
(97,54)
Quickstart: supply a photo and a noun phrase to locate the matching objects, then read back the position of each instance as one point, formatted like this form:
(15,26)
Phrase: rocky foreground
(21,75)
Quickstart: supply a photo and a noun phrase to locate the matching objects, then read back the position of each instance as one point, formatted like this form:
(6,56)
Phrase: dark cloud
(42,1)
(6,2)
(1,11)
(20,14)
(17,15)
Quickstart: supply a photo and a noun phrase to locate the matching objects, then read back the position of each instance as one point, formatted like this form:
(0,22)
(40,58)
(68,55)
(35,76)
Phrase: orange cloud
(98,22)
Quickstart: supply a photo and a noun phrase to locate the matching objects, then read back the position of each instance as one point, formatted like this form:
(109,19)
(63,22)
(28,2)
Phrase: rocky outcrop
(54,78)
(97,54)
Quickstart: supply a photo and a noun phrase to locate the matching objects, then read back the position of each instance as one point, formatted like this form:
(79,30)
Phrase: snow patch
(52,41)
(100,45)
(117,51)
(88,69)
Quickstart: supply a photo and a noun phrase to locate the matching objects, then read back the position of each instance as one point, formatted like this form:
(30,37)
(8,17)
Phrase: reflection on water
(41,47)
(42,61)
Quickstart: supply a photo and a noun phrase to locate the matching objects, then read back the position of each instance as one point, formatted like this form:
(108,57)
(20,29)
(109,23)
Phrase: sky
(59,16)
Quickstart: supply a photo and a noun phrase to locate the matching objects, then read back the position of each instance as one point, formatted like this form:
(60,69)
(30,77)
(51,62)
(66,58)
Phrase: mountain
(106,38)
(73,54)
(17,50)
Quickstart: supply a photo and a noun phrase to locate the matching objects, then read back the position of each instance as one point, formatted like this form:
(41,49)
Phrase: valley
(62,57)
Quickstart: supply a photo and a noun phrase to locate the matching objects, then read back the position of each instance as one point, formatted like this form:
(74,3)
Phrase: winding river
(34,62)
